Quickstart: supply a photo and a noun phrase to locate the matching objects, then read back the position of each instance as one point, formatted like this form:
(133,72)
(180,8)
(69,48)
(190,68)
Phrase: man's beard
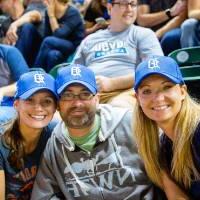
(79,122)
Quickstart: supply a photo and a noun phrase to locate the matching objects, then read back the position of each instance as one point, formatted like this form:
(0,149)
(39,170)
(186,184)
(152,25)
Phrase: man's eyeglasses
(68,96)
(124,5)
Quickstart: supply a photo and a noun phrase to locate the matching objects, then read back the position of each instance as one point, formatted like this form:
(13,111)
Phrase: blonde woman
(167,128)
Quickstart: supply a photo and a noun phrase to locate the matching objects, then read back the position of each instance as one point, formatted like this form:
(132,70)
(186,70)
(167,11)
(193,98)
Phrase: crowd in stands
(48,32)
(119,52)
(52,30)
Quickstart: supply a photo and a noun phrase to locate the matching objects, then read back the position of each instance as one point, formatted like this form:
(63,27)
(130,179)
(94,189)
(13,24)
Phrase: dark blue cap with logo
(33,81)
(73,74)
(161,65)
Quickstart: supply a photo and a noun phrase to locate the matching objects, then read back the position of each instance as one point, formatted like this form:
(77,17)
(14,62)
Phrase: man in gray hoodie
(91,154)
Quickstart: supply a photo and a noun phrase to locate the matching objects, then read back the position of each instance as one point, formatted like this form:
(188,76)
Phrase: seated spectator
(25,137)
(96,16)
(12,66)
(113,53)
(64,31)
(25,27)
(190,29)
(165,18)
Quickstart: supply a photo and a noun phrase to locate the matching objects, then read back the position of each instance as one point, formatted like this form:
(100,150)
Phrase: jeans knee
(48,41)
(189,24)
(28,28)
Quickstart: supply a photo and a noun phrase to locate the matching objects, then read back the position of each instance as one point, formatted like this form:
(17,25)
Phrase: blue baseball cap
(161,65)
(76,73)
(33,81)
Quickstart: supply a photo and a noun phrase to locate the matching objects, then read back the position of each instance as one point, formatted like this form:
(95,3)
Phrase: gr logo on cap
(33,81)
(153,63)
(75,73)
(161,65)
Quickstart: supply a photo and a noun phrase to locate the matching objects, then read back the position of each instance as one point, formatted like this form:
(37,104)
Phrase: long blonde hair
(146,134)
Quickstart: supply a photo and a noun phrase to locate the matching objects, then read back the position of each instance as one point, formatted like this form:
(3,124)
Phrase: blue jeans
(188,36)
(53,51)
(29,42)
(171,41)
(6,116)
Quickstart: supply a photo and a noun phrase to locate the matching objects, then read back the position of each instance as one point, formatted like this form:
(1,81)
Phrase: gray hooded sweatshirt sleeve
(113,170)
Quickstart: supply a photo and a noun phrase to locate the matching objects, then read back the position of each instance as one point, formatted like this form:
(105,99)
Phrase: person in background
(167,128)
(91,154)
(25,137)
(113,53)
(165,18)
(96,16)
(25,29)
(12,66)
(190,29)
(64,31)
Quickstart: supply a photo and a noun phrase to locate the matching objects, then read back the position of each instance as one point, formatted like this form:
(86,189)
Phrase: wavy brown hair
(14,140)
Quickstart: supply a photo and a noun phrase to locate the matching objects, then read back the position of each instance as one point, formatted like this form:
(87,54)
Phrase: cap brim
(87,85)
(30,92)
(171,78)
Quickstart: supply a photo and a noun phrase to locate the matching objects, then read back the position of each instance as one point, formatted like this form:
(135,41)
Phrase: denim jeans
(189,36)
(171,41)
(53,51)
(29,42)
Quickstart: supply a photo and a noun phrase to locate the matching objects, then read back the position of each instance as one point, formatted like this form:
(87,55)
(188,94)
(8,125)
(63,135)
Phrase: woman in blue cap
(167,128)
(24,140)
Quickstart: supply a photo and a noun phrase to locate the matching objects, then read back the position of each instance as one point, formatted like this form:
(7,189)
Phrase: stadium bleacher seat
(189,62)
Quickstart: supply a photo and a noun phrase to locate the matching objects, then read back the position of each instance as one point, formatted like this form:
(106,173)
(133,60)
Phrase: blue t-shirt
(167,154)
(19,183)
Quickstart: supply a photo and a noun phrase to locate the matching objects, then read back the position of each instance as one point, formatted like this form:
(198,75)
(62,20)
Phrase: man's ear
(97,99)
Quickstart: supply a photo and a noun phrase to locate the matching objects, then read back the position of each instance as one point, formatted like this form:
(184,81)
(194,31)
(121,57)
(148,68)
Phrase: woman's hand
(50,4)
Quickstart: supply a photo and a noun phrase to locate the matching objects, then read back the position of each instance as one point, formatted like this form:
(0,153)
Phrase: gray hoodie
(112,171)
